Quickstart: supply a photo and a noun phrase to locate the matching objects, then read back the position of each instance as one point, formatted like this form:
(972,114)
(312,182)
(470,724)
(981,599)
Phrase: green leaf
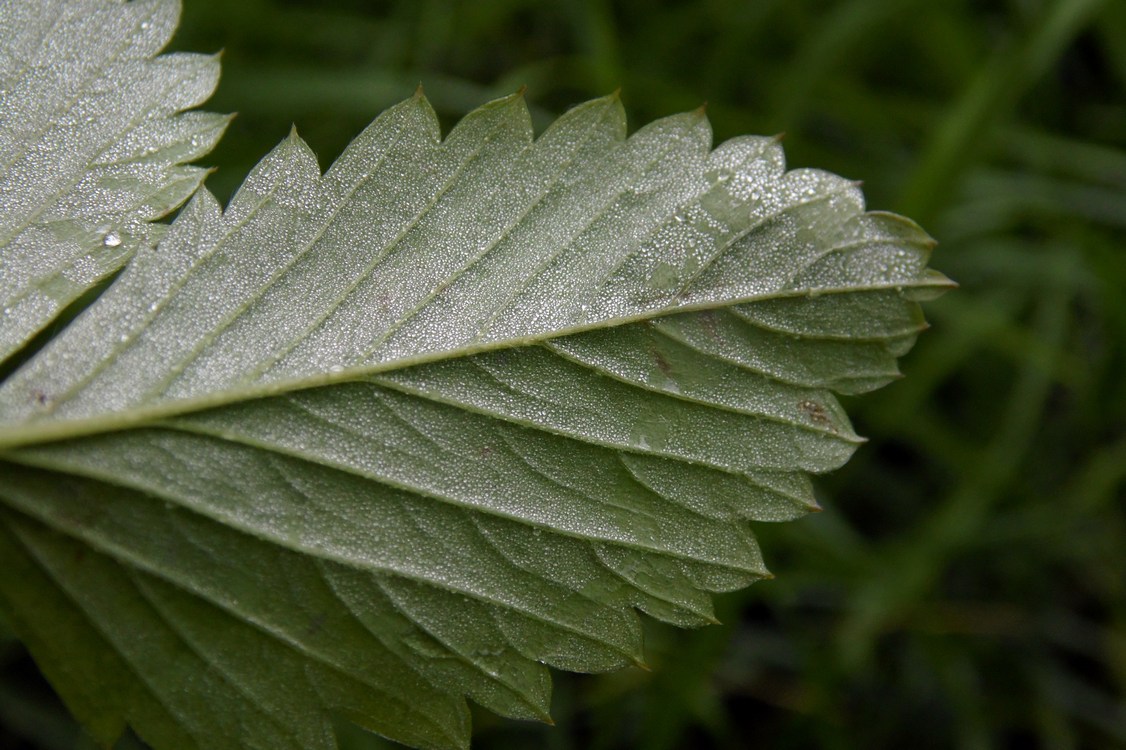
(92,143)
(370,442)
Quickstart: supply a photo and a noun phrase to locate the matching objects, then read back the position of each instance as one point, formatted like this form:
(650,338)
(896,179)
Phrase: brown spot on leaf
(707,322)
(316,624)
(815,411)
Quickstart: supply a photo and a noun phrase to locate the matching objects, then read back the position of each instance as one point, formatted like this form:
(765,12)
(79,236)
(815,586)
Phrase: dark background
(966,585)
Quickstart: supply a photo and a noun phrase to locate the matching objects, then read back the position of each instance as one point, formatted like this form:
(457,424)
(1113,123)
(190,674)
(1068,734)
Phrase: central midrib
(51,430)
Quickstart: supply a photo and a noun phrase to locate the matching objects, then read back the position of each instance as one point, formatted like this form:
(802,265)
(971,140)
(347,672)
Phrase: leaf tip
(939,279)
(419,92)
(225,123)
(202,203)
(293,147)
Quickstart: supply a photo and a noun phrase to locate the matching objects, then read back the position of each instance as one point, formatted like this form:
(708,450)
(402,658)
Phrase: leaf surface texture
(370,442)
(93,140)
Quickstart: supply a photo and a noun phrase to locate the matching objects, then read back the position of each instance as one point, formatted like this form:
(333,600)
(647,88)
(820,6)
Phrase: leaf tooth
(511,109)
(605,113)
(196,76)
(154,23)
(745,155)
(289,168)
(370,147)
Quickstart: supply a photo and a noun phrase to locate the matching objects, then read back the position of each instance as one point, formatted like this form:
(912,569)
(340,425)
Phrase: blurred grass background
(966,585)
